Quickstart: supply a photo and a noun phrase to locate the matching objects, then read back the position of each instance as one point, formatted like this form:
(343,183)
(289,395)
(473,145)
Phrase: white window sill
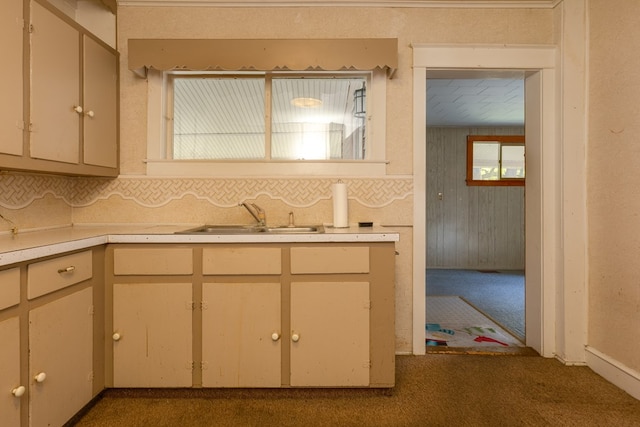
(208,168)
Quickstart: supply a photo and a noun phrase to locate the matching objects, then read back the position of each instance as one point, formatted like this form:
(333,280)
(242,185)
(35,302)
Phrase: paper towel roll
(340,205)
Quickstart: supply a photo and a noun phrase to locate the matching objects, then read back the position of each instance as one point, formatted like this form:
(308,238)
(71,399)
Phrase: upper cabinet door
(11,105)
(100,105)
(55,87)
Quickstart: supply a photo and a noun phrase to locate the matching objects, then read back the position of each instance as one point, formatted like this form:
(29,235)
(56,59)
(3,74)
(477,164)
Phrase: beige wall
(612,182)
(421,25)
(385,200)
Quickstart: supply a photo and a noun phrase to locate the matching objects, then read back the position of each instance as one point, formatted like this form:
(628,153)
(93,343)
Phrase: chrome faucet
(257,212)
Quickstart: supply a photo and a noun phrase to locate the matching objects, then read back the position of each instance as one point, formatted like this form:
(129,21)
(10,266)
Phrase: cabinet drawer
(153,261)
(329,260)
(244,261)
(48,276)
(9,287)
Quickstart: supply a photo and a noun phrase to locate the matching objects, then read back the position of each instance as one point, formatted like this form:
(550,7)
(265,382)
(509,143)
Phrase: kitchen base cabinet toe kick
(250,315)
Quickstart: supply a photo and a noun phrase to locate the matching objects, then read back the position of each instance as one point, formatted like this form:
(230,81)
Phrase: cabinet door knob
(40,377)
(116,336)
(295,337)
(69,269)
(90,113)
(18,391)
(77,109)
(275,336)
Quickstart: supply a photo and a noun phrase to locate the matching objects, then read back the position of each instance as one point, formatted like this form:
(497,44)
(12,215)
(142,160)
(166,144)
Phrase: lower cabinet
(241,335)
(248,315)
(152,344)
(330,334)
(60,358)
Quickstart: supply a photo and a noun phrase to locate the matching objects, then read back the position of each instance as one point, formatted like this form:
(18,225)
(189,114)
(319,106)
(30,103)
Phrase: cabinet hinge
(91,310)
(366,364)
(20,125)
(367,305)
(31,28)
(204,305)
(190,365)
(204,365)
(190,305)
(90,377)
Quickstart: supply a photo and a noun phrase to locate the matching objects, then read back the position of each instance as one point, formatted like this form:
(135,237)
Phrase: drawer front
(49,276)
(152,261)
(330,260)
(242,261)
(9,287)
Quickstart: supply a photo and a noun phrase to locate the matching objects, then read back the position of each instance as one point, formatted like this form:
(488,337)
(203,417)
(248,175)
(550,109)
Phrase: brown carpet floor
(431,390)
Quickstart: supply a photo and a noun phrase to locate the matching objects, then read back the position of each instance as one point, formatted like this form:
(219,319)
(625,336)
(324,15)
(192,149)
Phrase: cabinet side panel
(383,315)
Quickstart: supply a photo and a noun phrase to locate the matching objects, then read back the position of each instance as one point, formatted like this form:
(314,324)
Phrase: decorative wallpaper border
(18,191)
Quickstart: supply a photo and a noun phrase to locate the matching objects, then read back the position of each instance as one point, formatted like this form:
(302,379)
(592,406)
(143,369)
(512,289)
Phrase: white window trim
(158,165)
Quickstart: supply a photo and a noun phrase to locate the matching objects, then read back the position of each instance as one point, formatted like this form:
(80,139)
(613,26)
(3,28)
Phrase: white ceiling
(475,101)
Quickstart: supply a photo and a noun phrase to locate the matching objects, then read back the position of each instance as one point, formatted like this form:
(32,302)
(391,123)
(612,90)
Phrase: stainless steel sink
(285,229)
(253,229)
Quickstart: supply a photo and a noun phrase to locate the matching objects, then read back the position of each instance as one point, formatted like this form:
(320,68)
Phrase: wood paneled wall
(470,227)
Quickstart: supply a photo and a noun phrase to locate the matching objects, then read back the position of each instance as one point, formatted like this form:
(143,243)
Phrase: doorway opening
(474,234)
(541,213)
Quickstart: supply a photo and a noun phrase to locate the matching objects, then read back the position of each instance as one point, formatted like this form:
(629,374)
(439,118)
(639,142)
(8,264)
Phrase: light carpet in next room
(452,322)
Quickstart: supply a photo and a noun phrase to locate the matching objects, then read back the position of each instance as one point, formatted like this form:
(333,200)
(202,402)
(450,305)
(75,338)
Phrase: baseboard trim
(613,371)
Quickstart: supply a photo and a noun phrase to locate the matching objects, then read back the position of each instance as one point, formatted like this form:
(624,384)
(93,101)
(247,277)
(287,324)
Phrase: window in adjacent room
(495,160)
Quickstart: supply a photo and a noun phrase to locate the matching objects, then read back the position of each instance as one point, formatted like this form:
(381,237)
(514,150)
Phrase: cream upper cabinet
(60,358)
(73,99)
(100,105)
(11,104)
(56,108)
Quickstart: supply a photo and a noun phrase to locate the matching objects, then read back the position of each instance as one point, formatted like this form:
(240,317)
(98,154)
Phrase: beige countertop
(28,245)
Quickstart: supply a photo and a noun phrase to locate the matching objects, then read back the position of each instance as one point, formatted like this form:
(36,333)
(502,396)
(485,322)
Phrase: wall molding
(491,4)
(18,191)
(613,371)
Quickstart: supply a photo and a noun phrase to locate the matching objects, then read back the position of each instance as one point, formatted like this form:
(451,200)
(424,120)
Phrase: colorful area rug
(452,322)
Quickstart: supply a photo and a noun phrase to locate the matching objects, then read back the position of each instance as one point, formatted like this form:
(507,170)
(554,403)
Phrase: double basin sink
(254,229)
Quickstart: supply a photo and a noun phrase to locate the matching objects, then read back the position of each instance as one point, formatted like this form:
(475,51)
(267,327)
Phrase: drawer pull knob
(18,391)
(275,336)
(77,109)
(295,337)
(40,377)
(116,336)
(69,269)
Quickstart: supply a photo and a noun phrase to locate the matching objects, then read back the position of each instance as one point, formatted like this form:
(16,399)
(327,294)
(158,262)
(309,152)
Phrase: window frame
(158,163)
(502,140)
